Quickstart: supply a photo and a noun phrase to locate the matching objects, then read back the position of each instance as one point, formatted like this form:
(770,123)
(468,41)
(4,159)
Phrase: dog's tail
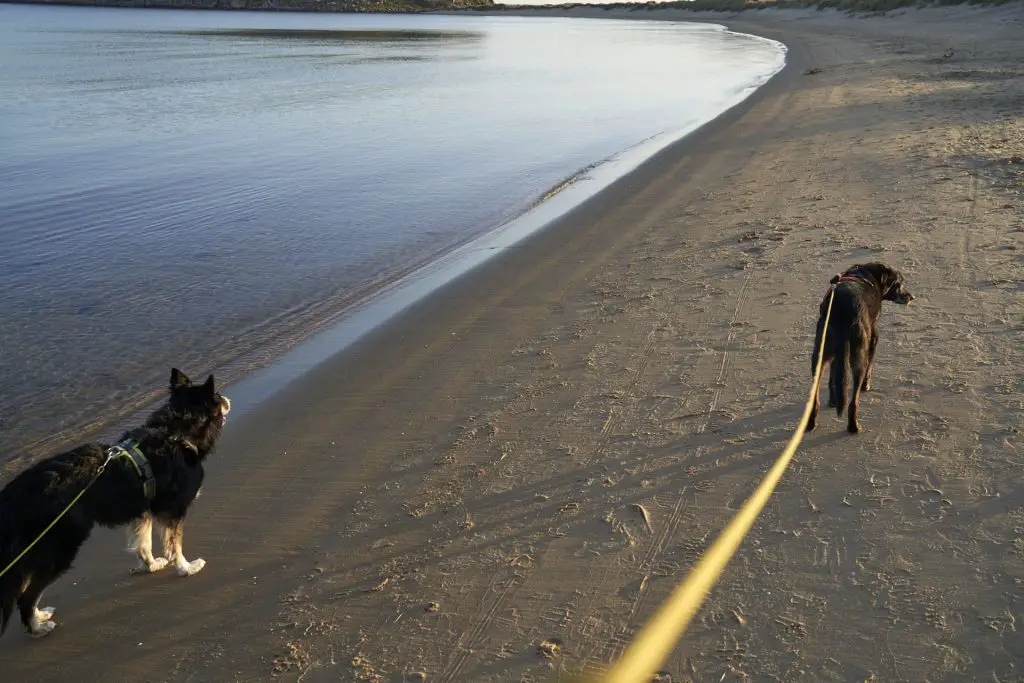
(841,375)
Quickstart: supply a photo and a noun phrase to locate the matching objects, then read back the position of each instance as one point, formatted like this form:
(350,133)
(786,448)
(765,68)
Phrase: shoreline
(537,451)
(259,374)
(347,327)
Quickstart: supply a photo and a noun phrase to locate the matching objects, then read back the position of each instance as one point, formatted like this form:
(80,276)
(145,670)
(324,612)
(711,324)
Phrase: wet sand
(538,451)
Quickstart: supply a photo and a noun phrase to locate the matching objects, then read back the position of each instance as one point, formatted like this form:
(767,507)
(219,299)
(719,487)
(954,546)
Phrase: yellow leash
(655,642)
(110,456)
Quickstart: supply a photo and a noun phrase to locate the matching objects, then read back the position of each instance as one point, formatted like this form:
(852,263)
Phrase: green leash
(128,449)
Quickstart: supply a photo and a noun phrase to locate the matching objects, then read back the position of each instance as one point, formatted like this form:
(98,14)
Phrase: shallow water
(204,189)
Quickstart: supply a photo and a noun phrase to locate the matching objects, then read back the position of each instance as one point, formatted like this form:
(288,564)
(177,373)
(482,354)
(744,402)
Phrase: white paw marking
(156,565)
(44,613)
(43,628)
(190,568)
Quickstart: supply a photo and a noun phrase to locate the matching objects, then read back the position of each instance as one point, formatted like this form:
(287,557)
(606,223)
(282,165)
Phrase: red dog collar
(835,283)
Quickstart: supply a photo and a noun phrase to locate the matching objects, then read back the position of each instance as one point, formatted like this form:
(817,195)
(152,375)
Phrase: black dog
(853,333)
(154,472)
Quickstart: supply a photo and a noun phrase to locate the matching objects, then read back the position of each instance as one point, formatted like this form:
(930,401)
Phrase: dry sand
(504,482)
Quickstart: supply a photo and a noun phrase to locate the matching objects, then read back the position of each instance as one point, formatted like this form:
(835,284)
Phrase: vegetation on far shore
(360,6)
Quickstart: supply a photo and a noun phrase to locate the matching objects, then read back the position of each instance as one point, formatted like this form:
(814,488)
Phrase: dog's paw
(853,428)
(44,613)
(42,628)
(190,568)
(158,564)
(866,386)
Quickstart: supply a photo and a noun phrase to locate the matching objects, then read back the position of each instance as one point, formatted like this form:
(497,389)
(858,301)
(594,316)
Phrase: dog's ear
(888,276)
(209,386)
(179,380)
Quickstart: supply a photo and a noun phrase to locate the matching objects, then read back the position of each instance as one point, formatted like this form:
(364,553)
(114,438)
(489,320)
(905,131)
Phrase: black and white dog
(152,474)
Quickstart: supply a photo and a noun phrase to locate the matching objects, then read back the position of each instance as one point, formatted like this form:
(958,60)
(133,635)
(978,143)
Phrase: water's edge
(251,381)
(353,323)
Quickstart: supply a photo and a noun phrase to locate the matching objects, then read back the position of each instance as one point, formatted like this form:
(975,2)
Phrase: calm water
(204,189)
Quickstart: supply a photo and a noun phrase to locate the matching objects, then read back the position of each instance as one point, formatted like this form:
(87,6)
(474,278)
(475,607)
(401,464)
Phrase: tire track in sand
(473,637)
(614,417)
(657,545)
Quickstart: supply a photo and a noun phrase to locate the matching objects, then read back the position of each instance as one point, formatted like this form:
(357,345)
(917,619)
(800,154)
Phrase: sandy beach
(502,483)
